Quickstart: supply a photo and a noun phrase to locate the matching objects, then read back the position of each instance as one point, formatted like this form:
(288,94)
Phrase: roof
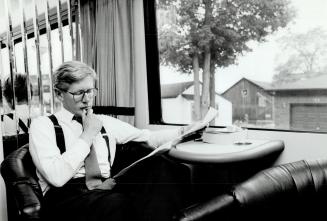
(175,89)
(263,85)
(318,82)
(313,83)
(186,89)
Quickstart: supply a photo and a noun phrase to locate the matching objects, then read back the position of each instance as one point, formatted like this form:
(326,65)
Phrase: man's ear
(59,94)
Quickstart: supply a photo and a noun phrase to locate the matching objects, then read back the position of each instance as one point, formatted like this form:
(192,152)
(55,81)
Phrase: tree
(304,56)
(208,34)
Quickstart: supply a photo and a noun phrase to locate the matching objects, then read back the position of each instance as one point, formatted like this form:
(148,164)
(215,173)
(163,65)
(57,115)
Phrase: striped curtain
(107,46)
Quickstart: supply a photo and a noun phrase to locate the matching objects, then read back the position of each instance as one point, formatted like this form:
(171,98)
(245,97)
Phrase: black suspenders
(60,138)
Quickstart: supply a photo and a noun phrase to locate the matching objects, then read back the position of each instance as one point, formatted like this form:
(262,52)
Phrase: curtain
(107,45)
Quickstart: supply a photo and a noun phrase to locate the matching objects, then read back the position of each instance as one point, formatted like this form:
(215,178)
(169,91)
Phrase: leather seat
(293,191)
(24,195)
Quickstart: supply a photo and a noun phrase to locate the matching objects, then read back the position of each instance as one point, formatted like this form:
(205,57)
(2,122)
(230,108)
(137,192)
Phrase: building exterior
(178,98)
(252,102)
(301,105)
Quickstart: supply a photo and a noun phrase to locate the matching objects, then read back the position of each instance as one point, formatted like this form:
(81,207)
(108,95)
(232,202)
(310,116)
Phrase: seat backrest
(18,172)
(297,190)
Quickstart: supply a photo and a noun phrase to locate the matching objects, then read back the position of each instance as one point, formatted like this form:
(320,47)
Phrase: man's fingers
(89,111)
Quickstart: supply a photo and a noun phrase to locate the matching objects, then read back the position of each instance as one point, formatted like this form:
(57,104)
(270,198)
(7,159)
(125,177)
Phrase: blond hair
(70,72)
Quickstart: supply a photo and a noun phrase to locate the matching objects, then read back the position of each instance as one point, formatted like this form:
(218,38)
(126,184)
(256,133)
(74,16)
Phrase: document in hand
(195,127)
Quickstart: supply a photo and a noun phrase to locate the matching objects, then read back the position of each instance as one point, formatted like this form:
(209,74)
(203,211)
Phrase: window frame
(152,62)
(153,72)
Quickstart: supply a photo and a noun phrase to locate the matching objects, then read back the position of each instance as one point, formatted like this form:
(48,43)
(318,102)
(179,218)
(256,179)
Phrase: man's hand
(91,126)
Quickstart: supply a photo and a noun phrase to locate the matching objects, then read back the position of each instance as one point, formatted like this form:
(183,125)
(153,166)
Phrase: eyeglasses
(79,95)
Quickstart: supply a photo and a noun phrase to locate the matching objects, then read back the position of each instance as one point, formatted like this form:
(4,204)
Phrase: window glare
(276,82)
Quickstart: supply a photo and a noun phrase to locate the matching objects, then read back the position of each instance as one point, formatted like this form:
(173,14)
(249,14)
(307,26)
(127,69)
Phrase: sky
(259,64)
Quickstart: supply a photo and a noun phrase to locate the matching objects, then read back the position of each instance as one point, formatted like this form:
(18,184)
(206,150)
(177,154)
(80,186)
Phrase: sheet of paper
(199,125)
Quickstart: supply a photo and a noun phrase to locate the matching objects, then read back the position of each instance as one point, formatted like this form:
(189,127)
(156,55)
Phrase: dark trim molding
(113,110)
(152,62)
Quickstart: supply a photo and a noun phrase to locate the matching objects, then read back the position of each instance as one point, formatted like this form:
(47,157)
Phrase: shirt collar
(65,115)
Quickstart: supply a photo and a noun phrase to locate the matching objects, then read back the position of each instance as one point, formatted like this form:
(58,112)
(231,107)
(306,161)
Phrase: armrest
(296,190)
(219,206)
(128,153)
(27,201)
(18,172)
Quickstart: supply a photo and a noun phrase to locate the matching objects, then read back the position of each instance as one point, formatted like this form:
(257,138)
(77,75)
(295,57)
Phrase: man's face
(78,106)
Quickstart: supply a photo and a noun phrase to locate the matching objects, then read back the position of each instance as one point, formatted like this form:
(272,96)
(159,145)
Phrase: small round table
(215,168)
(200,152)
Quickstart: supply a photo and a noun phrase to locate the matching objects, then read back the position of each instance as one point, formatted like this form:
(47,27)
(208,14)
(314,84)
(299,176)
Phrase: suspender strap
(105,136)
(60,138)
(20,122)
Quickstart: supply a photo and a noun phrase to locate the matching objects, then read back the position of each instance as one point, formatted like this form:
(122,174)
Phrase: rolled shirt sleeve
(124,132)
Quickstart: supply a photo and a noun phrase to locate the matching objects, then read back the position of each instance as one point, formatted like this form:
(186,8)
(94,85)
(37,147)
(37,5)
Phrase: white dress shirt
(57,169)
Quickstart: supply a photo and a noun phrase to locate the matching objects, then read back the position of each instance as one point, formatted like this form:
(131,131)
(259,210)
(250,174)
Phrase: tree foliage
(231,25)
(215,31)
(304,56)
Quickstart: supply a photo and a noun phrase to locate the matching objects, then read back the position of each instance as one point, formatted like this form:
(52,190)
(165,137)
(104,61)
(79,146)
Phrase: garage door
(311,117)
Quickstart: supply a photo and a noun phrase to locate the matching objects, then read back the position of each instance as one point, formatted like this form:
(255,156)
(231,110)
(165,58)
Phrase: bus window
(261,63)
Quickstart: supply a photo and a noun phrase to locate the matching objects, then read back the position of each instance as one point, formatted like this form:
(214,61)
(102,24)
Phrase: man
(150,191)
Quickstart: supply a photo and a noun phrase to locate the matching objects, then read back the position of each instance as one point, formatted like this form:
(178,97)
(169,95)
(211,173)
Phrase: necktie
(92,170)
